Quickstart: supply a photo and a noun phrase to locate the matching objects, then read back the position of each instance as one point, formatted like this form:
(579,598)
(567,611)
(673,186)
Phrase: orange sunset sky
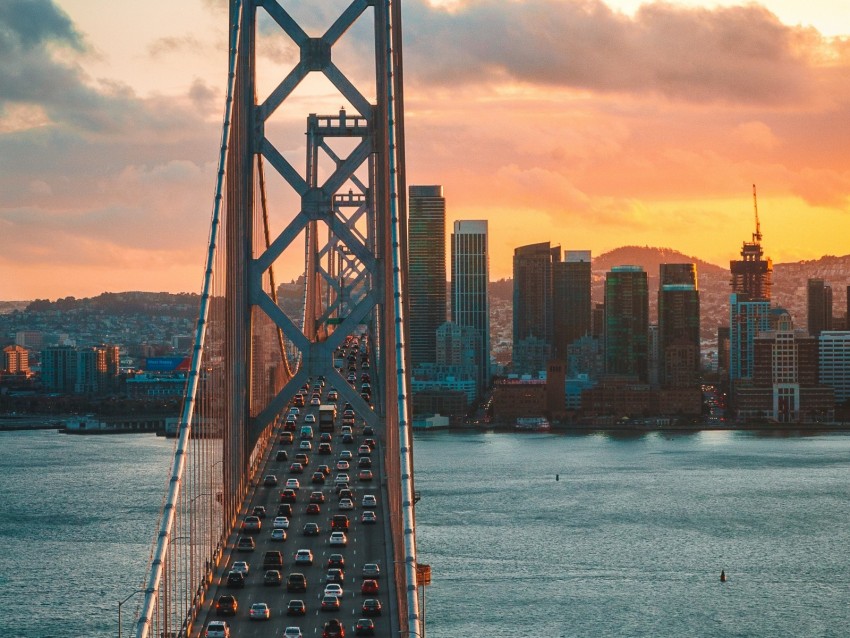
(589,123)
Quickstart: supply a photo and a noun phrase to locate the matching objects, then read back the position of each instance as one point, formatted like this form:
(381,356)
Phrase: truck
(327,416)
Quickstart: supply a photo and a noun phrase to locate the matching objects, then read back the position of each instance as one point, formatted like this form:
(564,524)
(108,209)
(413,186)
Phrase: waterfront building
(678,326)
(518,398)
(834,362)
(570,300)
(427,270)
(627,322)
(58,369)
(470,297)
(819,304)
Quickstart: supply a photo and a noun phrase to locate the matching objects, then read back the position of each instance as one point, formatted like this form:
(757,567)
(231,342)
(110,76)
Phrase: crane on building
(757,234)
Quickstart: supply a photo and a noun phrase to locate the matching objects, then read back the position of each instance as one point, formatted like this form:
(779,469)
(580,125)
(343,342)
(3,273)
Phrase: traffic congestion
(309,555)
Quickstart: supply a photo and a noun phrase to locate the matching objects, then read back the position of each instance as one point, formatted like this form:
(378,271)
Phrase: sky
(588,123)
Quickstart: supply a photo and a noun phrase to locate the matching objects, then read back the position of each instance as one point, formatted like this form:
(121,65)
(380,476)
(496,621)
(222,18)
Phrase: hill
(650,259)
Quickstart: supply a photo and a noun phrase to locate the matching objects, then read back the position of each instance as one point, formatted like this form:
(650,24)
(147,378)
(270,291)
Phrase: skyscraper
(570,300)
(426,270)
(470,299)
(752,274)
(819,301)
(678,325)
(627,322)
(533,301)
(746,319)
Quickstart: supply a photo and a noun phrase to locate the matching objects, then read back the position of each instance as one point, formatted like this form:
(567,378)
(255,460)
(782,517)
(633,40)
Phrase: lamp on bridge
(121,602)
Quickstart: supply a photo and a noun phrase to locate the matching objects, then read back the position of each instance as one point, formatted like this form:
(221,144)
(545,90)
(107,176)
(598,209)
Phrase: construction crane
(757,234)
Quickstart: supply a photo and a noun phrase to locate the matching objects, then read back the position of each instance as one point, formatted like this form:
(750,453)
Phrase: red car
(333,629)
(288,496)
(369,586)
(314,508)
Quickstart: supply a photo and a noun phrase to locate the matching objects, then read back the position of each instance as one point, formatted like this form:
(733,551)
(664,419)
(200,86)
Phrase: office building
(678,326)
(59,368)
(834,362)
(426,229)
(470,298)
(819,304)
(532,320)
(627,322)
(570,300)
(746,320)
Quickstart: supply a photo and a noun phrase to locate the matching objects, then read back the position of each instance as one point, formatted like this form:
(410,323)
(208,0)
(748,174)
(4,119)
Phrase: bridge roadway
(367,543)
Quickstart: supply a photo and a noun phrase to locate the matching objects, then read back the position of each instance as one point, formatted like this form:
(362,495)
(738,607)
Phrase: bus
(327,416)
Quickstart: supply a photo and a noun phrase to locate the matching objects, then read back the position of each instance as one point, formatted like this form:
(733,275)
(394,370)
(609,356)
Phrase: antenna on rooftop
(757,234)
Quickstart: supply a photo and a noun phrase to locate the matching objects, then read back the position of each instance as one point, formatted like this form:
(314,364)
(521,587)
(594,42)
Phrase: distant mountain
(650,258)
(124,303)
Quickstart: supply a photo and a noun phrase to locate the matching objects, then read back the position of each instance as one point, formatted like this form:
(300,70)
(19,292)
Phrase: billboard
(165,364)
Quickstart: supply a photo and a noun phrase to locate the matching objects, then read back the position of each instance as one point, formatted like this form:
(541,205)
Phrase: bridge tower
(344,212)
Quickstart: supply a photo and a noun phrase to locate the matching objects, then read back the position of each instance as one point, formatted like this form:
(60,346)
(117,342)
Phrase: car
(309,418)
(369,586)
(245,544)
(324,469)
(336,560)
(372,607)
(346,429)
(294,410)
(340,522)
(325,449)
(345,493)
(315,401)
(296,468)
(364,461)
(272,578)
(241,566)
(346,504)
(333,629)
(296,608)
(287,438)
(304,556)
(339,538)
(340,488)
(303,459)
(293,483)
(313,509)
(370,442)
(259,511)
(289,425)
(269,480)
(364,475)
(317,497)
(311,529)
(367,397)
(292,632)
(333,589)
(282,455)
(279,535)
(252,524)
(336,575)
(217,629)
(235,579)
(259,611)
(317,478)
(333,395)
(296,581)
(368,430)
(342,465)
(280,522)
(369,500)
(284,509)
(306,446)
(348,438)
(371,570)
(341,478)
(325,437)
(226,605)
(364,450)
(364,627)
(352,377)
(330,603)
(368,517)
(346,455)
(288,495)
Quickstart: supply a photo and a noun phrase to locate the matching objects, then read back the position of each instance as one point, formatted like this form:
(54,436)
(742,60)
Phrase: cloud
(740,54)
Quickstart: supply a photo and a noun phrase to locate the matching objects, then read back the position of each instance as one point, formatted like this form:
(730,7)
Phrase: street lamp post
(121,602)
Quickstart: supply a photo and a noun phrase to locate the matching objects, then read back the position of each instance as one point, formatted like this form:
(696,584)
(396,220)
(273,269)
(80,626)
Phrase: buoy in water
(722,576)
(557,477)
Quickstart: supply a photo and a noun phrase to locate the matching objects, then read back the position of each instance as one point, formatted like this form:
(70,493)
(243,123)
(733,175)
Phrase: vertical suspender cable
(157,564)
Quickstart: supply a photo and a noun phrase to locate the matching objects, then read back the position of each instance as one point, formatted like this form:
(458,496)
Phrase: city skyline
(109,131)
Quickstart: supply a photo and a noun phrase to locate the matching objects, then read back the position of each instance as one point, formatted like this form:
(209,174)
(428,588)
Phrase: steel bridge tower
(347,220)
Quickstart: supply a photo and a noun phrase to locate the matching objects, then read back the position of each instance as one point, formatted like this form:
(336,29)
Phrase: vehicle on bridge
(327,417)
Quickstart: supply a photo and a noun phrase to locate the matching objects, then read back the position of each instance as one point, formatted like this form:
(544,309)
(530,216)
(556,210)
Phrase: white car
(280,522)
(333,589)
(292,632)
(346,504)
(341,478)
(369,500)
(303,557)
(315,401)
(259,611)
(346,455)
(279,535)
(305,446)
(218,629)
(309,418)
(339,538)
(293,483)
(342,465)
(241,566)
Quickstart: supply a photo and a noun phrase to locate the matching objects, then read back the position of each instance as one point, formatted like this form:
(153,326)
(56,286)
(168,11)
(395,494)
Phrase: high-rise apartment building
(819,303)
(533,292)
(678,326)
(59,368)
(746,319)
(16,360)
(627,322)
(570,300)
(426,230)
(470,298)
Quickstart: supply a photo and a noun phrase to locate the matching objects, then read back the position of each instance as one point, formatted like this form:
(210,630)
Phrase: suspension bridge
(325,188)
